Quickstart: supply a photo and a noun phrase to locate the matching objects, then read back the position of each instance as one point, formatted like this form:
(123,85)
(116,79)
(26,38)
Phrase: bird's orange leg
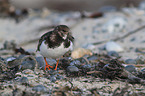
(47,65)
(56,64)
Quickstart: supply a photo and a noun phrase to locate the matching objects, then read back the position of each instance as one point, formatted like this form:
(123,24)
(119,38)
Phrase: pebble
(72,69)
(113,53)
(10,59)
(80,52)
(140,59)
(40,61)
(75,63)
(143,70)
(116,24)
(23,80)
(93,57)
(113,46)
(130,68)
(53,78)
(39,88)
(9,45)
(87,67)
(28,64)
(130,61)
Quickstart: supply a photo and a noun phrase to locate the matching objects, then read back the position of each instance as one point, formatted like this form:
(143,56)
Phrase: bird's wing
(43,37)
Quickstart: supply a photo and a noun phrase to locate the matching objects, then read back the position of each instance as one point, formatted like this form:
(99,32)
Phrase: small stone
(113,53)
(143,70)
(113,46)
(130,68)
(80,52)
(39,88)
(53,78)
(9,45)
(75,63)
(72,69)
(94,57)
(28,63)
(10,59)
(23,80)
(140,59)
(130,61)
(86,67)
(115,24)
(40,61)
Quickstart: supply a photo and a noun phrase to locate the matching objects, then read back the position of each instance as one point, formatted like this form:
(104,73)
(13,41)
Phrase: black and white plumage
(55,43)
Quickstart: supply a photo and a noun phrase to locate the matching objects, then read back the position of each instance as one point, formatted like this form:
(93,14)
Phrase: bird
(55,43)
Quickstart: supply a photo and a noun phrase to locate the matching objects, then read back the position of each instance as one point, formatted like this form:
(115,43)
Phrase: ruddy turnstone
(55,43)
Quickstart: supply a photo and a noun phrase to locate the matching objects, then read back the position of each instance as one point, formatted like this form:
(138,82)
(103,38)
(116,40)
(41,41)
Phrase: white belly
(53,53)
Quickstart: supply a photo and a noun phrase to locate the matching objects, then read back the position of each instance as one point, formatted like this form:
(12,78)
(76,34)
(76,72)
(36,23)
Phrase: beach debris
(80,52)
(113,53)
(130,68)
(22,51)
(130,61)
(113,46)
(116,24)
(9,45)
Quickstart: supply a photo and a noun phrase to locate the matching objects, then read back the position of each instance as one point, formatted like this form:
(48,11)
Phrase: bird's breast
(53,52)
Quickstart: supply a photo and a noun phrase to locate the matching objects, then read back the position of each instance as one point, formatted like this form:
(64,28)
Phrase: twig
(122,37)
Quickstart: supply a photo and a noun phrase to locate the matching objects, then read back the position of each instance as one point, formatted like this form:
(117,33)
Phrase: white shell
(53,53)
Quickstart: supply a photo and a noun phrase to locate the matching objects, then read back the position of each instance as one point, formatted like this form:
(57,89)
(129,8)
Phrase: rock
(130,68)
(39,88)
(130,61)
(9,45)
(75,63)
(24,80)
(28,62)
(140,59)
(13,62)
(80,52)
(53,78)
(113,46)
(86,67)
(113,53)
(72,69)
(89,46)
(93,57)
(115,24)
(41,64)
(143,70)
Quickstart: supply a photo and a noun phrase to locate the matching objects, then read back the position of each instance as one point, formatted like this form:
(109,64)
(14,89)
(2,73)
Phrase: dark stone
(72,69)
(39,88)
(130,61)
(53,78)
(130,68)
(28,63)
(113,53)
(23,80)
(94,57)
(75,63)
(40,61)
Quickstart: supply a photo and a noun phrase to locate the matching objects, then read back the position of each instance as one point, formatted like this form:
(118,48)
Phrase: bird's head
(62,30)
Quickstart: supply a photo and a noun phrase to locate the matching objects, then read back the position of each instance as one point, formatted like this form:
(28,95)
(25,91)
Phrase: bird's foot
(48,66)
